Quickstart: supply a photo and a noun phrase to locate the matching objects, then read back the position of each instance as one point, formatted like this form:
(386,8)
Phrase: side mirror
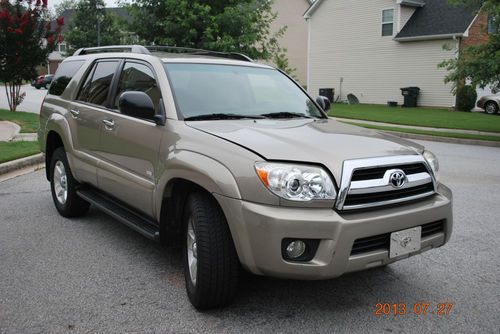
(324,103)
(136,104)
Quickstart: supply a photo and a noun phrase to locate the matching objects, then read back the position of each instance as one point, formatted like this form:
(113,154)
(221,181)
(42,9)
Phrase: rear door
(130,146)
(87,116)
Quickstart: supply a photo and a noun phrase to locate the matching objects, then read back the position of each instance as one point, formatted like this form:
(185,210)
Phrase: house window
(387,22)
(493,26)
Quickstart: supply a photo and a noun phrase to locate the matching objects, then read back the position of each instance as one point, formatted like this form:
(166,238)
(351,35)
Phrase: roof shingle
(437,17)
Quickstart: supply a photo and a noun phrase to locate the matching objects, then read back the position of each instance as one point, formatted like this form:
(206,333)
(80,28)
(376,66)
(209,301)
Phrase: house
(57,56)
(373,48)
(290,14)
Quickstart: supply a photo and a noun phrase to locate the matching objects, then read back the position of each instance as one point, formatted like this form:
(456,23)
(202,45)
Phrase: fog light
(295,249)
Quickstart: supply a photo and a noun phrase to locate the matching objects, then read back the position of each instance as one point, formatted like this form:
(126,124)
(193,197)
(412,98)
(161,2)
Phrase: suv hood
(327,142)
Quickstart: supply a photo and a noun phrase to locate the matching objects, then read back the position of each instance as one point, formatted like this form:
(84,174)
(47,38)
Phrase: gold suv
(236,163)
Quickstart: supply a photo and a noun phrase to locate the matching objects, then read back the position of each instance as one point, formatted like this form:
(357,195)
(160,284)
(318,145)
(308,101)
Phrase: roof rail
(201,52)
(161,48)
(112,48)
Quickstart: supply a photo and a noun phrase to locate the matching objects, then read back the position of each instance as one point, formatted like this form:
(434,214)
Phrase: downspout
(308,80)
(457,44)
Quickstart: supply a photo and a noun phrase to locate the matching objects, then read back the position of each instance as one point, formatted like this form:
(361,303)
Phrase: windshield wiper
(221,116)
(285,114)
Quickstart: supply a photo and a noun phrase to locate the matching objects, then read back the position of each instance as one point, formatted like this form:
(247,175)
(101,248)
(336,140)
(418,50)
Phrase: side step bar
(144,225)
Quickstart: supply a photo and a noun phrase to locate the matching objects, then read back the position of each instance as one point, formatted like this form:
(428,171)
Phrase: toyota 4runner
(235,162)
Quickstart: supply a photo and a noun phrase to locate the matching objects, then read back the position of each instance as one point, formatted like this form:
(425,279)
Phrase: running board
(145,226)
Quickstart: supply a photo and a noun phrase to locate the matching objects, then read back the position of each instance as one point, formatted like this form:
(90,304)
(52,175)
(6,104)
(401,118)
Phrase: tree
(63,6)
(478,63)
(281,61)
(220,25)
(26,39)
(92,25)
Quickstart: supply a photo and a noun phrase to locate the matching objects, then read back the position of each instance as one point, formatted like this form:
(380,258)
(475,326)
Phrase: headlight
(433,162)
(296,182)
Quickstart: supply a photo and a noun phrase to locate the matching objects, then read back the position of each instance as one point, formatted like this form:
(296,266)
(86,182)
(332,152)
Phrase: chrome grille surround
(382,185)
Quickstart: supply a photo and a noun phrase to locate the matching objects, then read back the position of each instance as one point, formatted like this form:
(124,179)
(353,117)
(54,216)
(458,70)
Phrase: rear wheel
(211,266)
(63,187)
(491,107)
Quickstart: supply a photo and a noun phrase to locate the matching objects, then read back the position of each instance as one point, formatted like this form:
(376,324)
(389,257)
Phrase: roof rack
(200,52)
(162,48)
(112,48)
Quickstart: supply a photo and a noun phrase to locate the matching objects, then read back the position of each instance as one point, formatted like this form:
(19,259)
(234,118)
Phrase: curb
(14,165)
(443,139)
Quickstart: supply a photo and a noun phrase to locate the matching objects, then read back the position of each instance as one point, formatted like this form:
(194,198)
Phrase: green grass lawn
(15,150)
(28,121)
(430,117)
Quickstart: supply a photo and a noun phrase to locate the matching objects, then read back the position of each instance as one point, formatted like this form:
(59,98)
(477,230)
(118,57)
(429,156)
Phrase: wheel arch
(57,135)
(187,173)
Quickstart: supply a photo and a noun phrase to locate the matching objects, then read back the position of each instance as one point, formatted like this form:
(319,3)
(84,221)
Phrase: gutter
(411,3)
(311,9)
(428,37)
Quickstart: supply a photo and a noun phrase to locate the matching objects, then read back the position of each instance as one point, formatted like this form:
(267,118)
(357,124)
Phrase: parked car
(236,163)
(490,103)
(42,81)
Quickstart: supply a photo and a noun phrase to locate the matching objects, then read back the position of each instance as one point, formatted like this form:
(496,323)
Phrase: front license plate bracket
(405,241)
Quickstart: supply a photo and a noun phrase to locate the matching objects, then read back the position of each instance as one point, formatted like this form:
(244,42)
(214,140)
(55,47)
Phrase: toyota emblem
(397,179)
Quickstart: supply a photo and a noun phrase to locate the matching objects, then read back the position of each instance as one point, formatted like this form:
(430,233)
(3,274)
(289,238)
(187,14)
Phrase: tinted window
(96,87)
(138,77)
(63,76)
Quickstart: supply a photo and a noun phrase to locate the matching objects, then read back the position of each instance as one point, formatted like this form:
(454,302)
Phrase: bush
(466,98)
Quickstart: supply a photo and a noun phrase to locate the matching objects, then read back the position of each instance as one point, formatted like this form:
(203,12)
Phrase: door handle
(74,113)
(109,124)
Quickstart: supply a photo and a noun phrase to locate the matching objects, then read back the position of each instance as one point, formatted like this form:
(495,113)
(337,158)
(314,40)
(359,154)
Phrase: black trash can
(410,95)
(327,92)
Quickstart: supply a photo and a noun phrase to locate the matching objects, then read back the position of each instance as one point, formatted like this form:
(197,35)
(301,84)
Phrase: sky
(109,3)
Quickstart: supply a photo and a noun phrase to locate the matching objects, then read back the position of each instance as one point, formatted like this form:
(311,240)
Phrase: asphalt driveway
(95,275)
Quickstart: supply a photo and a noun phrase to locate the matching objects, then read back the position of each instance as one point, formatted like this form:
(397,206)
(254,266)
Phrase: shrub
(466,98)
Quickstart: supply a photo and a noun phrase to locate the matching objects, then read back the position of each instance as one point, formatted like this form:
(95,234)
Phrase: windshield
(206,91)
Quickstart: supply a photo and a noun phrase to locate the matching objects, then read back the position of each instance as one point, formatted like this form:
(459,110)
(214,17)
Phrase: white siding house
(290,14)
(348,51)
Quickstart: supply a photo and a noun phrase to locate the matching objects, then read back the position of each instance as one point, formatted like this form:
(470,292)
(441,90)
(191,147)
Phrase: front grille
(371,187)
(378,172)
(382,241)
(361,199)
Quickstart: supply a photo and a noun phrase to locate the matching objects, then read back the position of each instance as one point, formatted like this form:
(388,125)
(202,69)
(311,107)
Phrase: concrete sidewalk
(10,131)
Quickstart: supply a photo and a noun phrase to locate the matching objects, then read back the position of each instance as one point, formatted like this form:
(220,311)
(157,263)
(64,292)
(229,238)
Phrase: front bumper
(258,230)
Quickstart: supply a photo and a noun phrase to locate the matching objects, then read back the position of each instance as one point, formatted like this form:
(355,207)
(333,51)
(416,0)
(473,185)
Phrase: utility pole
(99,21)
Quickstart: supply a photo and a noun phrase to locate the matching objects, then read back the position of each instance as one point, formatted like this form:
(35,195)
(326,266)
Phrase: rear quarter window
(63,76)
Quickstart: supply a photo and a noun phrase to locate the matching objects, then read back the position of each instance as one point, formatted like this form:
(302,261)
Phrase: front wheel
(211,266)
(63,187)
(491,108)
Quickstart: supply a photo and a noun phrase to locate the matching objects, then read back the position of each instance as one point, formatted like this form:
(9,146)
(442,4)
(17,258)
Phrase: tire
(63,187)
(491,107)
(216,272)
(37,87)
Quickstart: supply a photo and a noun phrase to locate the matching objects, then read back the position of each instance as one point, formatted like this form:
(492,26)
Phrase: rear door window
(63,76)
(96,88)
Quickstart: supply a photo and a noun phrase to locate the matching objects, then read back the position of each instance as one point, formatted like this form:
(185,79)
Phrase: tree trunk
(13,92)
